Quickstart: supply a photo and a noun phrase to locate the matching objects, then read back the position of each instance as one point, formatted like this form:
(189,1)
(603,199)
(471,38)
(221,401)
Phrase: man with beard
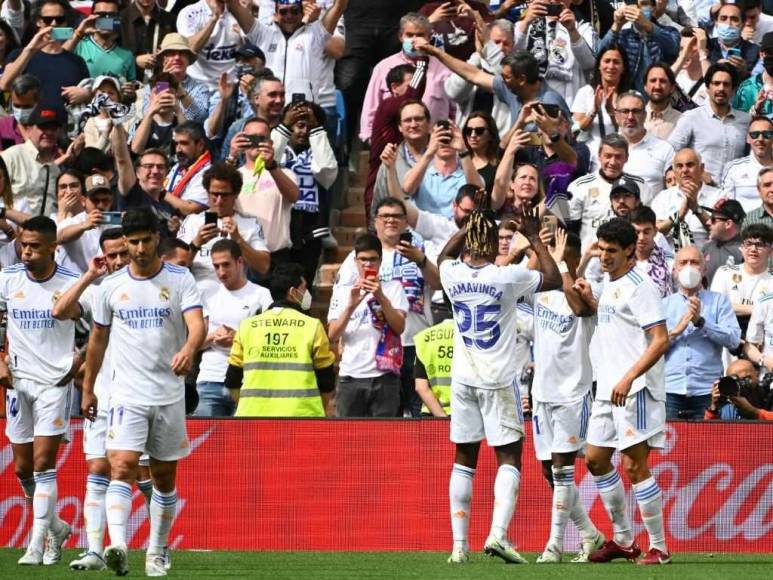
(715,130)
(659,84)
(193,159)
(648,156)
(739,181)
(302,145)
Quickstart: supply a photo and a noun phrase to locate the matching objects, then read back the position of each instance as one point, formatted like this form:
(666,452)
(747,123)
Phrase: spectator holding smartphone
(728,45)
(161,117)
(368,317)
(755,94)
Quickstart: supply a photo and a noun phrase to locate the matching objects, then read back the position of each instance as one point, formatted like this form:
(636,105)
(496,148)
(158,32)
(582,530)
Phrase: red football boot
(612,551)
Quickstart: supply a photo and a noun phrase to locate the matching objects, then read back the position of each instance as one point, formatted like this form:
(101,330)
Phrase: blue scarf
(300,164)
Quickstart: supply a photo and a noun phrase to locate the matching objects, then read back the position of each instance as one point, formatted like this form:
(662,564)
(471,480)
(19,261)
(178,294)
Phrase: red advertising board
(383,485)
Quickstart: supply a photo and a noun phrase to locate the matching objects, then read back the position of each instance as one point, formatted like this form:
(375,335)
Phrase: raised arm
(467,71)
(333,15)
(123,161)
(67,306)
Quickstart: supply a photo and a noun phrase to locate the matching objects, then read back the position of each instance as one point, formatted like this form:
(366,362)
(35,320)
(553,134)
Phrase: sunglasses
(49,20)
(293,11)
(474,131)
(764,134)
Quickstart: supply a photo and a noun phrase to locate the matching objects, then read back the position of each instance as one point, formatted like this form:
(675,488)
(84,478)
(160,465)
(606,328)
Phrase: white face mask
(306,300)
(690,277)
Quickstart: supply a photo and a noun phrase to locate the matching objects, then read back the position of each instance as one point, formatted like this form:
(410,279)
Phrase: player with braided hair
(484,397)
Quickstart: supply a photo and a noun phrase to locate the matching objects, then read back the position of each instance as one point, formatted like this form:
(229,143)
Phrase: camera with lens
(731,386)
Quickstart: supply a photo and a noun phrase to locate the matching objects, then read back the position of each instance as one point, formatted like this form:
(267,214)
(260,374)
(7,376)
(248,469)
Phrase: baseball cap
(45,115)
(250,51)
(728,208)
(626,186)
(95,183)
(767,42)
(107,78)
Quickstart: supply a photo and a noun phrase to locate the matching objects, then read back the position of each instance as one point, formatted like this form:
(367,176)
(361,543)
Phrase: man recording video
(739,395)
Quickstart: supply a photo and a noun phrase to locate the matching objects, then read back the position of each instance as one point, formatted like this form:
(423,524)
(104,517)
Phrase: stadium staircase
(351,224)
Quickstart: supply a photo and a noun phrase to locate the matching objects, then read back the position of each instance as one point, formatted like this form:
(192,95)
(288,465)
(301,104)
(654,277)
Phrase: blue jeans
(684,407)
(214,401)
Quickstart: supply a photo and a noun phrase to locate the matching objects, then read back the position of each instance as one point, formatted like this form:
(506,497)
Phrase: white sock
(564,495)
(162,510)
(146,487)
(506,486)
(460,495)
(650,500)
(118,505)
(43,506)
(579,517)
(94,511)
(612,493)
(28,485)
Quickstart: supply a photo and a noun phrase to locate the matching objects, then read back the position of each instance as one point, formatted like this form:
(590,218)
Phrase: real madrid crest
(737,278)
(55,296)
(164,293)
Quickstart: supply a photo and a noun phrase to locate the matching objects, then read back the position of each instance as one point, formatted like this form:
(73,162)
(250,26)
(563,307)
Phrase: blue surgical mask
(647,11)
(728,34)
(408,48)
(22,115)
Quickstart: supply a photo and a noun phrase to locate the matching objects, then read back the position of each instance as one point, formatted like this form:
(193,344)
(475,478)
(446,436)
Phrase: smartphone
(107,24)
(298,98)
(550,109)
(733,52)
(535,139)
(406,237)
(256,140)
(554,9)
(62,33)
(550,222)
(445,126)
(370,273)
(161,86)
(110,218)
(210,217)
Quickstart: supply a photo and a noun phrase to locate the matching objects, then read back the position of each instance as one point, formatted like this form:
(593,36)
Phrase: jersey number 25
(480,316)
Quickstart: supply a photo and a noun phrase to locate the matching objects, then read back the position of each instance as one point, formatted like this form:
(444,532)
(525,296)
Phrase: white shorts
(36,410)
(94,433)
(560,428)
(493,414)
(642,419)
(158,431)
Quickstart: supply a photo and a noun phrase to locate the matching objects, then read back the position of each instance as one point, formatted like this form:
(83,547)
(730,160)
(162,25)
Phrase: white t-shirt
(668,202)
(202,267)
(261,199)
(686,84)
(360,338)
(417,291)
(484,302)
(8,255)
(79,252)
(627,307)
(739,182)
(436,231)
(194,190)
(649,159)
(147,330)
(89,300)
(760,330)
(740,286)
(228,307)
(583,103)
(40,347)
(562,367)
(218,54)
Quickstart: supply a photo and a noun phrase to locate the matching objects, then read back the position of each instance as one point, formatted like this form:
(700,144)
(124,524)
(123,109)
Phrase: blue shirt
(545,95)
(694,358)
(437,191)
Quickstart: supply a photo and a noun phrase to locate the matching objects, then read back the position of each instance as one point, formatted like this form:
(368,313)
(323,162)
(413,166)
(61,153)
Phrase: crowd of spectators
(236,121)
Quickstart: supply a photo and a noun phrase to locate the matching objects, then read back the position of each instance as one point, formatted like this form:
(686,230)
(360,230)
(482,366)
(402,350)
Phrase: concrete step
(355,196)
(347,235)
(327,274)
(337,255)
(353,217)
(359,176)
(323,293)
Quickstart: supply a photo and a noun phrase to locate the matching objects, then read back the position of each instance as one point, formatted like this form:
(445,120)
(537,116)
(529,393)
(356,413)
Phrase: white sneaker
(458,556)
(88,561)
(117,559)
(503,549)
(53,552)
(167,553)
(549,556)
(31,557)
(588,547)
(155,565)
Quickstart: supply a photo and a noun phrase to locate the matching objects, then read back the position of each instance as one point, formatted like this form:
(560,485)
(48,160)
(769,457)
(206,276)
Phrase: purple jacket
(9,132)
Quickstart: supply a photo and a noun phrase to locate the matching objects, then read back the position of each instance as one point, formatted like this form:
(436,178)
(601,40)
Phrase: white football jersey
(484,302)
(228,308)
(89,301)
(627,308)
(740,286)
(760,330)
(41,348)
(147,330)
(562,367)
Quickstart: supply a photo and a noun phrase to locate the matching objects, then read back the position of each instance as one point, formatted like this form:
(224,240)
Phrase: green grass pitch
(424,565)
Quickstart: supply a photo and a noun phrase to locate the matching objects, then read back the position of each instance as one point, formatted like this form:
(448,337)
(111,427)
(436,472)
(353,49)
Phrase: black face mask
(767,62)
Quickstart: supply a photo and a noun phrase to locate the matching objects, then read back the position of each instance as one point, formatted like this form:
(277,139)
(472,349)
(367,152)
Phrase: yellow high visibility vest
(435,350)
(279,350)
